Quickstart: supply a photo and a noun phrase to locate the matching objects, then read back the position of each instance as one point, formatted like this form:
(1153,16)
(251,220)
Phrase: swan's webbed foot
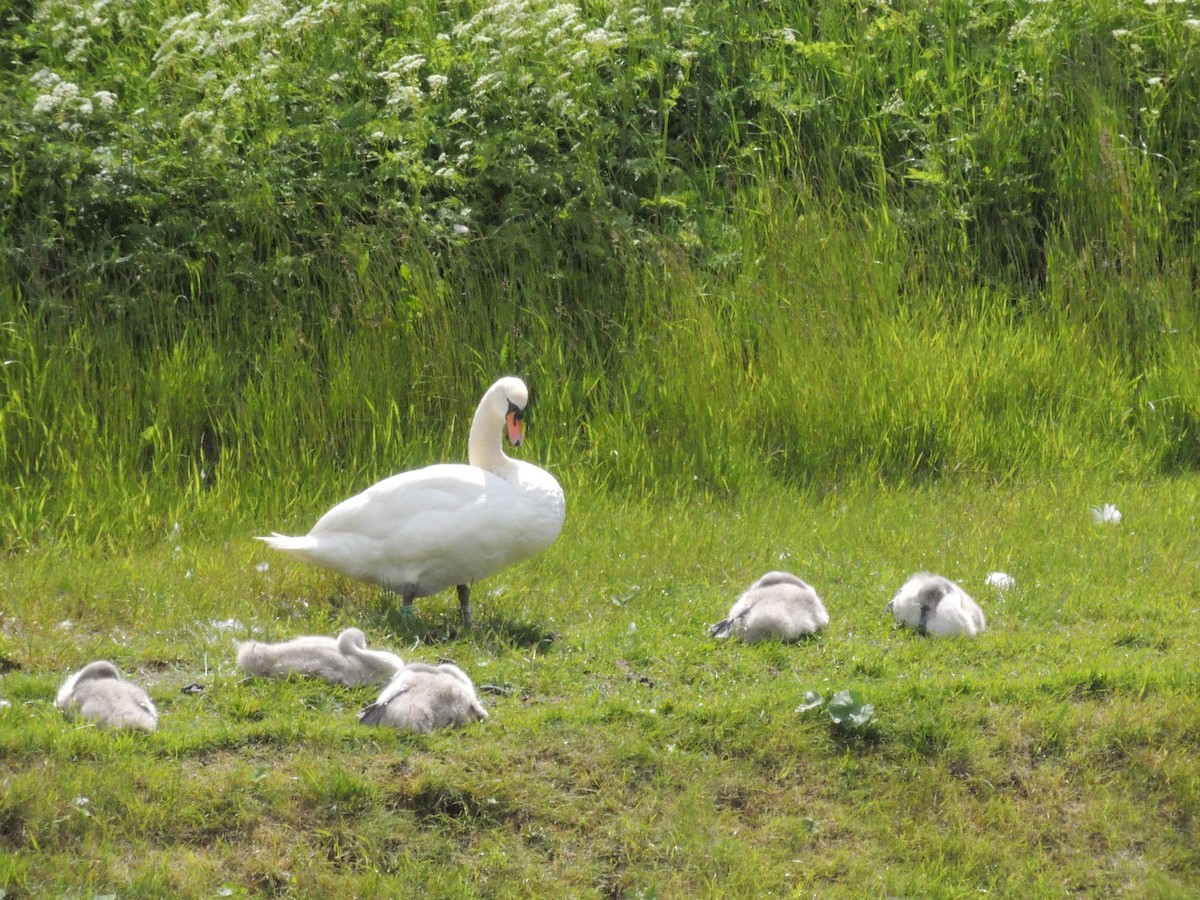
(405,612)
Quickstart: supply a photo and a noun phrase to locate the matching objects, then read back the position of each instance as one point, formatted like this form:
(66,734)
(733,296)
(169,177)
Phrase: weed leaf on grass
(812,700)
(848,710)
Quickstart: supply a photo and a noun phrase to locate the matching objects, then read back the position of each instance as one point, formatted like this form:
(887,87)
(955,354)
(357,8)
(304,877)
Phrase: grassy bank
(846,290)
(627,753)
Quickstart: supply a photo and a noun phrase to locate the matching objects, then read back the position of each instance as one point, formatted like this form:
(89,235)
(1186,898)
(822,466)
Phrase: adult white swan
(422,531)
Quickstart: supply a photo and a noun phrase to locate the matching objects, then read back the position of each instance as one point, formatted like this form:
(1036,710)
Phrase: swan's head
(97,670)
(515,397)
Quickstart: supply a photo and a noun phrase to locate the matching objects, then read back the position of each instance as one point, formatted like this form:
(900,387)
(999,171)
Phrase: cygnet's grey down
(98,694)
(422,698)
(936,605)
(778,605)
(341,660)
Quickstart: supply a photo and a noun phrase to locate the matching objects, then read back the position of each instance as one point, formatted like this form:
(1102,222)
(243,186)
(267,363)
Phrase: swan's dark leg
(464,600)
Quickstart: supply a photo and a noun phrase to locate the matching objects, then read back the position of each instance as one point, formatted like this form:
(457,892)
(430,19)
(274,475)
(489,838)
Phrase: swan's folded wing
(435,491)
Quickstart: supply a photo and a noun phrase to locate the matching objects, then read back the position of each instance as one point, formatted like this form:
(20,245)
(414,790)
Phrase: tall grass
(252,247)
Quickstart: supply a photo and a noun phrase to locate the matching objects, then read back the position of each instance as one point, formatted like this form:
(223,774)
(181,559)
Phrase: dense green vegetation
(253,245)
(852,289)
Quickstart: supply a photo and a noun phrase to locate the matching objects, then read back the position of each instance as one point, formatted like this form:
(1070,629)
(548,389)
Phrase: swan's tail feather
(294,545)
(373,714)
(722,629)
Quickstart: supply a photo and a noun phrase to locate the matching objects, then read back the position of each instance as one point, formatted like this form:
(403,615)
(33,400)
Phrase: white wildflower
(44,78)
(405,96)
(195,117)
(106,99)
(597,37)
(485,82)
(299,20)
(436,84)
(409,63)
(78,48)
(62,95)
(1106,514)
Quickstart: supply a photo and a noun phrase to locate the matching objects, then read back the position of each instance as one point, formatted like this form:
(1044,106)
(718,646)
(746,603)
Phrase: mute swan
(422,531)
(422,697)
(341,660)
(97,694)
(777,605)
(936,605)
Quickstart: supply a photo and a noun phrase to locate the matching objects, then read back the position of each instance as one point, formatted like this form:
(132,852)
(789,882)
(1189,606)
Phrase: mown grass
(846,289)
(627,752)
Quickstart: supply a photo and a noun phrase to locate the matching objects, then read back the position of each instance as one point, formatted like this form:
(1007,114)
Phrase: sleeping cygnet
(422,697)
(936,605)
(98,694)
(341,660)
(778,605)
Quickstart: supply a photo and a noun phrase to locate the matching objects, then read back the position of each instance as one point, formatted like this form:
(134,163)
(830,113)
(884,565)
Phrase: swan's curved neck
(485,449)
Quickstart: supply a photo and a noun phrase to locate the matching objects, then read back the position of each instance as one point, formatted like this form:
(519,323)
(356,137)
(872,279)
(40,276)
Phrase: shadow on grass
(863,739)
(432,627)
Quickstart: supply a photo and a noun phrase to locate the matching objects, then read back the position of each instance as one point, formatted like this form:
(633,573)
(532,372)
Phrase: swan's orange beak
(516,428)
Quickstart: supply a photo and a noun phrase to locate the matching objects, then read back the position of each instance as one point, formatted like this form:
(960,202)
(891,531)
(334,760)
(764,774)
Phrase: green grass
(627,753)
(850,290)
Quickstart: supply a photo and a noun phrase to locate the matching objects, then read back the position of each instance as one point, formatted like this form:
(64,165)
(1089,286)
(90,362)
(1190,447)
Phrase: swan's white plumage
(341,660)
(445,525)
(422,698)
(936,605)
(778,605)
(98,694)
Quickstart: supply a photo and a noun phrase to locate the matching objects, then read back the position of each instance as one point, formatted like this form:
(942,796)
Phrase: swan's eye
(515,412)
